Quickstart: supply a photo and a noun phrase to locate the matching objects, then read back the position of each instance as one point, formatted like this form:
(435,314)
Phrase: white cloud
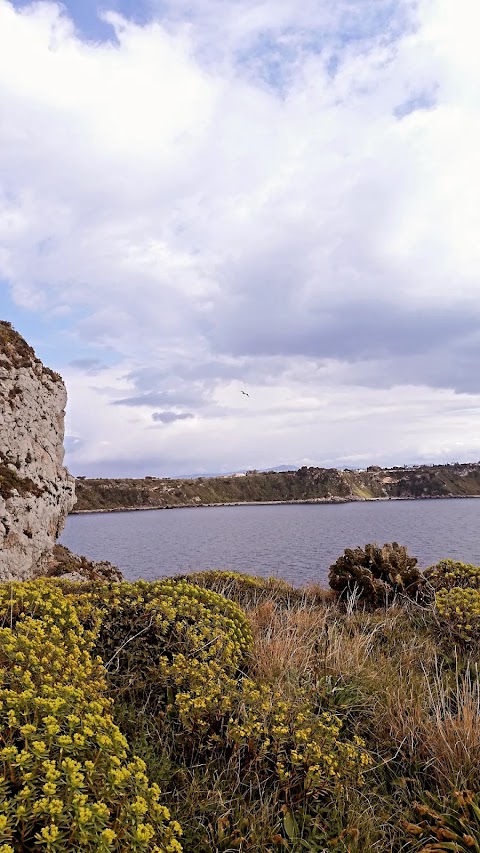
(317,238)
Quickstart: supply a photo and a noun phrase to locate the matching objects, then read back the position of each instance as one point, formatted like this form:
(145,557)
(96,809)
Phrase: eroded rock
(61,563)
(36,490)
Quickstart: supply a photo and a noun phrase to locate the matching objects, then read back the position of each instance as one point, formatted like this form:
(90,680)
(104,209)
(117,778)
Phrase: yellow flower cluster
(304,745)
(199,620)
(209,626)
(452,573)
(202,641)
(66,783)
(460,607)
(185,646)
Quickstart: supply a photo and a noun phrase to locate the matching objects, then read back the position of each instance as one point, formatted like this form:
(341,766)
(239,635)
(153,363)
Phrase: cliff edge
(36,490)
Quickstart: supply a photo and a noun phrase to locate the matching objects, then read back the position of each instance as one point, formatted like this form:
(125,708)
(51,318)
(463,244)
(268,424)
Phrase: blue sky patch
(86,15)
(54,338)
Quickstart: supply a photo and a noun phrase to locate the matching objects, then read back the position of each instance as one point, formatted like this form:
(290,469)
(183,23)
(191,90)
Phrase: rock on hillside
(36,491)
(61,563)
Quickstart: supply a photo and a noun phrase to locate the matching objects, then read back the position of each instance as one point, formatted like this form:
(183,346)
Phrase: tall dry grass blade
(451,733)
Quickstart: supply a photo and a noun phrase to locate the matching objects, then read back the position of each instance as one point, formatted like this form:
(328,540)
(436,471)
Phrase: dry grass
(322,639)
(422,715)
(440,727)
(308,638)
(287,640)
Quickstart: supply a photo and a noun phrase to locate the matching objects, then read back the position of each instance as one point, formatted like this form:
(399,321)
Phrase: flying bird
(244,392)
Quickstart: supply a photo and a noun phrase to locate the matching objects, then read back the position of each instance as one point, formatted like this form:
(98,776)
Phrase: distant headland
(306,485)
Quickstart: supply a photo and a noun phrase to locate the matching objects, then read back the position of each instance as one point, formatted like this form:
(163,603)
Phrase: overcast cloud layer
(248,196)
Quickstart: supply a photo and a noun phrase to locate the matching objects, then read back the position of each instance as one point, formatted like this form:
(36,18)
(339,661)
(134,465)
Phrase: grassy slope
(217,726)
(305,484)
(391,676)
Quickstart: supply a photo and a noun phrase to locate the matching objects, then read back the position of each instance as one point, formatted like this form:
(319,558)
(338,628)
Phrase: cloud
(151,399)
(249,194)
(171,417)
(92,366)
(72,443)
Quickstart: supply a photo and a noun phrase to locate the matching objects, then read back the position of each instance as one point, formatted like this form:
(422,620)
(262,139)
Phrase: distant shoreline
(332,500)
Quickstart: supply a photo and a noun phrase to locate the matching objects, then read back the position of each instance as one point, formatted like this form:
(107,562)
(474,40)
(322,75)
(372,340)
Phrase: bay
(294,542)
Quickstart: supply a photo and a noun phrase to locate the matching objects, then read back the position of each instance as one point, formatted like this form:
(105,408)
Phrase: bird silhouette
(244,392)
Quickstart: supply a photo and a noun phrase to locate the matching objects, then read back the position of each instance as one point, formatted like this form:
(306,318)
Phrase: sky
(209,197)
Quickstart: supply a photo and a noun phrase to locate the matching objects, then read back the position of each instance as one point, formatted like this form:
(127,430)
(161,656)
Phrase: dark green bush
(376,575)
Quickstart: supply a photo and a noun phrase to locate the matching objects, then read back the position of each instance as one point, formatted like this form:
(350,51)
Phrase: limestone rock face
(36,490)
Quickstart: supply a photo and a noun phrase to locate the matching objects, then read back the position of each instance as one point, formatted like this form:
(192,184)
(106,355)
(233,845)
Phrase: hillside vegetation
(14,351)
(222,712)
(306,484)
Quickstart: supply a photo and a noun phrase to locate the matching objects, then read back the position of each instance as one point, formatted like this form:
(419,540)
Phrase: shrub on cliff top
(375,575)
(14,347)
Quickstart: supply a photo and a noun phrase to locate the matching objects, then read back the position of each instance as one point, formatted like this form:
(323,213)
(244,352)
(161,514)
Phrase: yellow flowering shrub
(66,782)
(184,650)
(452,573)
(170,638)
(175,653)
(459,608)
(246,590)
(302,743)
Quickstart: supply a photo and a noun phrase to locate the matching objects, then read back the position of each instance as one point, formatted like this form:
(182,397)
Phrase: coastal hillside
(306,484)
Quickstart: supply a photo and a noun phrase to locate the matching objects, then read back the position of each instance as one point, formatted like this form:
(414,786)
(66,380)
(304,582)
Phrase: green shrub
(246,590)
(376,575)
(180,653)
(451,573)
(165,638)
(459,610)
(66,782)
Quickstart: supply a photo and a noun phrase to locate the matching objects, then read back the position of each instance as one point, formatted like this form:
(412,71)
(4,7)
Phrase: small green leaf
(289,824)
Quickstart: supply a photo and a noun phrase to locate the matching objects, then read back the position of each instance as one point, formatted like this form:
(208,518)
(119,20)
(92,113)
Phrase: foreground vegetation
(222,712)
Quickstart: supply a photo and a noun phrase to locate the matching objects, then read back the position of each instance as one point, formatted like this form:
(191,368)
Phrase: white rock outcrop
(36,490)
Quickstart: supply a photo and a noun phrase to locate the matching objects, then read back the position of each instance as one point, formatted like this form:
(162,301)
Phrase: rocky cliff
(36,491)
(306,484)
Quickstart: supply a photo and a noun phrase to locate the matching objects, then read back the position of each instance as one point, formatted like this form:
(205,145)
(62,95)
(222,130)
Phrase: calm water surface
(297,543)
